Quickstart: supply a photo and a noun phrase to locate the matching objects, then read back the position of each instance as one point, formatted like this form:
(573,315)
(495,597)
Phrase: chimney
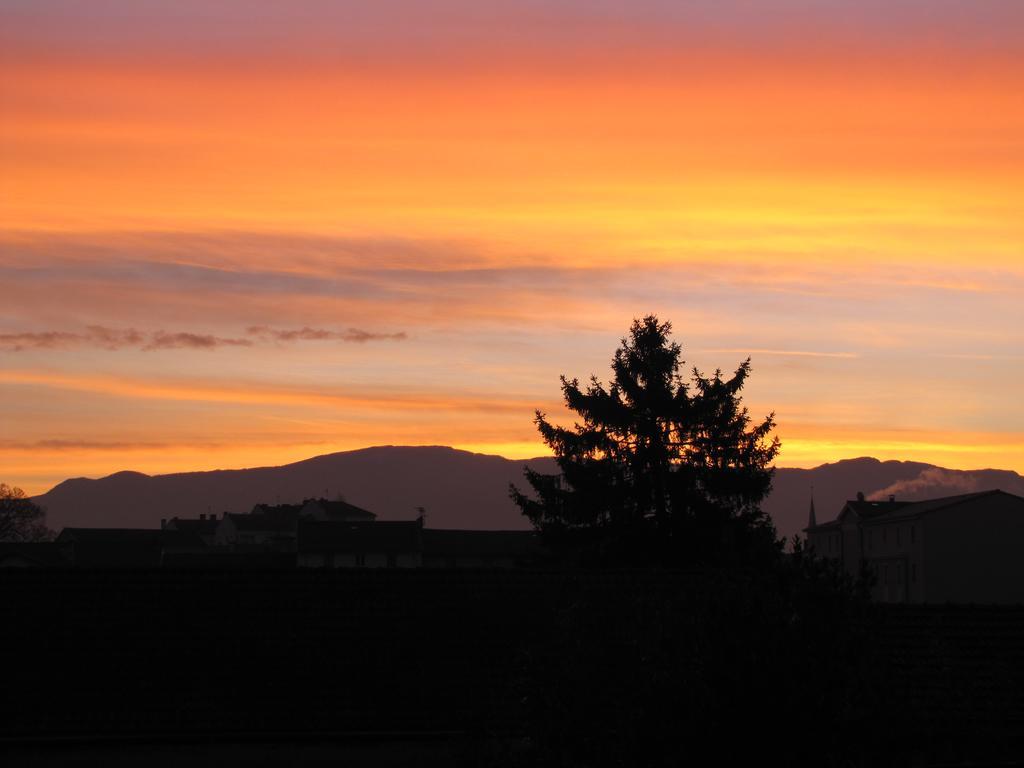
(163,523)
(860,495)
(892,497)
(202,517)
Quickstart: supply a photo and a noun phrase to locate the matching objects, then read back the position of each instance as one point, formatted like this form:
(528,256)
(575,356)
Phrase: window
(884,532)
(899,573)
(885,574)
(360,561)
(897,536)
(911,534)
(870,538)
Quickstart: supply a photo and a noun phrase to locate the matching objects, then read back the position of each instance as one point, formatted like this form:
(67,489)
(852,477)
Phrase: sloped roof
(342,510)
(830,525)
(287,509)
(884,511)
(866,509)
(392,537)
(862,508)
(276,519)
(192,525)
(917,508)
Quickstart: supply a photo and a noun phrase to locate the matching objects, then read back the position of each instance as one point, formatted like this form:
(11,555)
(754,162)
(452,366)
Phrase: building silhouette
(957,549)
(314,534)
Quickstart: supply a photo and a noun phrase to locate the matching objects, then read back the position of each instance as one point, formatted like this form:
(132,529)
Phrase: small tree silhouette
(658,471)
(20,518)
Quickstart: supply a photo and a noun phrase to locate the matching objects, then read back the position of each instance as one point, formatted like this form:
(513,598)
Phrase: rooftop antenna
(422,515)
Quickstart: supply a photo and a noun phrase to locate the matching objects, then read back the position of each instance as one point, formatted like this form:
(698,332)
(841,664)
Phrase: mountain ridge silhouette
(458,489)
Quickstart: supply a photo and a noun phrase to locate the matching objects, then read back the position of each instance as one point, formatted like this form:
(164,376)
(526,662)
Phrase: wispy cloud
(785,352)
(390,399)
(355,335)
(95,336)
(162,340)
(92,336)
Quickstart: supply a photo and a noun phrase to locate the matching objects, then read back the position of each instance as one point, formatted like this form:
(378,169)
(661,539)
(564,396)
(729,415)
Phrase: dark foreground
(423,667)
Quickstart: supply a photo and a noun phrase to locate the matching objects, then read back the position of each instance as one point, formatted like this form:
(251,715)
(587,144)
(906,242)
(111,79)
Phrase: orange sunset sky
(244,233)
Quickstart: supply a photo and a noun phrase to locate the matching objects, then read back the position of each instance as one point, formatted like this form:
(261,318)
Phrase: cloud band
(100,337)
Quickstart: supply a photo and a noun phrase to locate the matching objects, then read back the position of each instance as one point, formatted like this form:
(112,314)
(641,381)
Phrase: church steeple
(811,519)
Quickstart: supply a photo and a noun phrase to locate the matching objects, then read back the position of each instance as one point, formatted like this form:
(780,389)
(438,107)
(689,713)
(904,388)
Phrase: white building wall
(826,543)
(894,551)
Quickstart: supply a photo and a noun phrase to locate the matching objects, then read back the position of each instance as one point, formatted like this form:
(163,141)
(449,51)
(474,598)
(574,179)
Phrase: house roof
(191,525)
(360,537)
(341,510)
(871,512)
(277,519)
(284,509)
(830,525)
(860,507)
(451,543)
(918,508)
(867,509)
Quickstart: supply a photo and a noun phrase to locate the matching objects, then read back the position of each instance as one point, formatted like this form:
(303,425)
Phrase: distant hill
(457,488)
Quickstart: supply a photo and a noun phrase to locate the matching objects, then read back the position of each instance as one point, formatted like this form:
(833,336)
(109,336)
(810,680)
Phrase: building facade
(957,549)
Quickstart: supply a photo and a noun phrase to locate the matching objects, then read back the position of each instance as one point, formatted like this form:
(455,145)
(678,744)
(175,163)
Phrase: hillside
(457,488)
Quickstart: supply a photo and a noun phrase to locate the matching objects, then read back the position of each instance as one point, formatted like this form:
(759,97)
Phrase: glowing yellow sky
(838,196)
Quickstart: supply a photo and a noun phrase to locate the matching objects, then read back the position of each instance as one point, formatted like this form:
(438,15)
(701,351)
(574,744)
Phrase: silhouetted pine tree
(659,471)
